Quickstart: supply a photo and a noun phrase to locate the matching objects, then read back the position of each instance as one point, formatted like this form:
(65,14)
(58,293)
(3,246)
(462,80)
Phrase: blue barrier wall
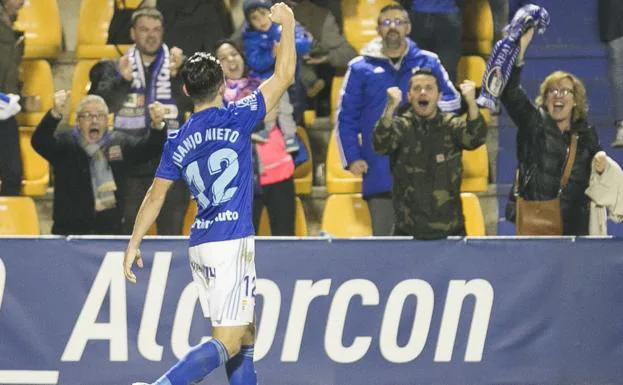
(330,313)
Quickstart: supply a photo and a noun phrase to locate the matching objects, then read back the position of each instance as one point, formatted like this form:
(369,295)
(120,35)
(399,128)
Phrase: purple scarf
(505,53)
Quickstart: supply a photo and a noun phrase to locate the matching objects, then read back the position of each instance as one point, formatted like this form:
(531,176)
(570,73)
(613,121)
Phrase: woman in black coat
(544,135)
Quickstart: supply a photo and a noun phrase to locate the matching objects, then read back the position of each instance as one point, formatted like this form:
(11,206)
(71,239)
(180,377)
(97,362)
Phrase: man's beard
(392,40)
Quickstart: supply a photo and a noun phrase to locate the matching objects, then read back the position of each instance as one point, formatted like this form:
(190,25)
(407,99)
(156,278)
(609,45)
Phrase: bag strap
(569,164)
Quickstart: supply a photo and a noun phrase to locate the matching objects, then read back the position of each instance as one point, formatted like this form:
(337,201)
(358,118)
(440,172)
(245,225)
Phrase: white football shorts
(224,273)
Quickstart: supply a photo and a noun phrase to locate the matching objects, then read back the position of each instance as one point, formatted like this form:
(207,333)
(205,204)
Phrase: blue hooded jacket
(258,47)
(362,101)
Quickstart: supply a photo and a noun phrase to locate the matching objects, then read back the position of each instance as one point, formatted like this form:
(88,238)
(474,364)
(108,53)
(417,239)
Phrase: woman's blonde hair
(580,108)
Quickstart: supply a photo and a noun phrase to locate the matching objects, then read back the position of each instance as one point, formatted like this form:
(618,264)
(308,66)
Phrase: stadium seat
(94,19)
(475,170)
(37,81)
(40,20)
(339,181)
(303,172)
(300,222)
(477,28)
(360,20)
(346,215)
(309,116)
(336,89)
(473,68)
(474,220)
(79,85)
(18,216)
(36,170)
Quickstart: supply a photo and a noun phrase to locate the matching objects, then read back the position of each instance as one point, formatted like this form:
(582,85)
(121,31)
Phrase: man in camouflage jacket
(425,147)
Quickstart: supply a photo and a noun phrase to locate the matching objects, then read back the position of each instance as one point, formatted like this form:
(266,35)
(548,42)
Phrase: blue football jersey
(212,152)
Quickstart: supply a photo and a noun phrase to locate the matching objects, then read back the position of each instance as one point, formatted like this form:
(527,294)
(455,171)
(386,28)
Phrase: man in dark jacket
(146,74)
(89,163)
(12,48)
(611,33)
(425,147)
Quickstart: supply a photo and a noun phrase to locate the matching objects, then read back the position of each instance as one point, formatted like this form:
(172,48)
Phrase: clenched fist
(468,90)
(280,13)
(156,113)
(60,104)
(394,97)
(125,68)
(599,162)
(177,58)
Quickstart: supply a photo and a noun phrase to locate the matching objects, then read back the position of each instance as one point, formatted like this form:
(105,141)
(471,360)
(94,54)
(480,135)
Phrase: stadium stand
(303,172)
(346,215)
(18,216)
(339,181)
(300,221)
(36,170)
(40,20)
(37,82)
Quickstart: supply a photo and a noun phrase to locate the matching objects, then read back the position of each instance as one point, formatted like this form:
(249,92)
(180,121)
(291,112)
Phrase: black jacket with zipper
(542,152)
(74,205)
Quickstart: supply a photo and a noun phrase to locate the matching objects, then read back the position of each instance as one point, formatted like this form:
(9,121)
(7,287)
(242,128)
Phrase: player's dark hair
(427,72)
(202,75)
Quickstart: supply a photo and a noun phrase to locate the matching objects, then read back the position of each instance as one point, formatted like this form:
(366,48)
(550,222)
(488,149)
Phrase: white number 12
(219,193)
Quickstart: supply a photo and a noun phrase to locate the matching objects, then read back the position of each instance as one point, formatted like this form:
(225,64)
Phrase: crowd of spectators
(401,123)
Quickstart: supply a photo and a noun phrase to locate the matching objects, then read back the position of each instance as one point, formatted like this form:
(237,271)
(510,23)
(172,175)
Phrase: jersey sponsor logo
(226,216)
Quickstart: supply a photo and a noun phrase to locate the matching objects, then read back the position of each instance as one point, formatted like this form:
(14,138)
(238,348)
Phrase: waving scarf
(505,53)
(134,115)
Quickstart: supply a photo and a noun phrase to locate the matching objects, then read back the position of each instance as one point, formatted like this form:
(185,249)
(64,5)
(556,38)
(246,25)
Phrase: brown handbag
(544,217)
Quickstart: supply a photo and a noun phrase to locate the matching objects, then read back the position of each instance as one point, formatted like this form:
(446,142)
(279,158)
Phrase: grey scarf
(102,179)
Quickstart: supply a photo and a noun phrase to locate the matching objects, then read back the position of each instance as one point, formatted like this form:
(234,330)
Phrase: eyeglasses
(89,116)
(397,22)
(560,92)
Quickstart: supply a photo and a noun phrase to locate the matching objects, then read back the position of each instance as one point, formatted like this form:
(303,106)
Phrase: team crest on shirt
(249,255)
(248,101)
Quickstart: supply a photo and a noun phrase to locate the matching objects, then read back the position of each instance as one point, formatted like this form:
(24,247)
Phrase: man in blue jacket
(385,62)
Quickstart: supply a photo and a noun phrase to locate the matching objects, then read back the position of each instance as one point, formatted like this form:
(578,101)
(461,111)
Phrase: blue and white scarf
(505,53)
(134,115)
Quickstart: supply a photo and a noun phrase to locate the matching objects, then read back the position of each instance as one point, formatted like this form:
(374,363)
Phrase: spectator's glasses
(560,92)
(397,22)
(91,117)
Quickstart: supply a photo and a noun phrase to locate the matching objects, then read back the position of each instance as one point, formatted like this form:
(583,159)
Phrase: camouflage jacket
(425,160)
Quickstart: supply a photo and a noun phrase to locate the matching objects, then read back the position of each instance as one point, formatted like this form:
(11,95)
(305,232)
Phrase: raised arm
(285,65)
(387,132)
(517,103)
(43,139)
(471,133)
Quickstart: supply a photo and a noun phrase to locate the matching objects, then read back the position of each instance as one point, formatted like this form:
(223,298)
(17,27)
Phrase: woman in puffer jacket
(544,135)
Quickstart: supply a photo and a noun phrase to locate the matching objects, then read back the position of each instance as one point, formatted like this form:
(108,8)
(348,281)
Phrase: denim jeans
(10,160)
(439,33)
(615,48)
